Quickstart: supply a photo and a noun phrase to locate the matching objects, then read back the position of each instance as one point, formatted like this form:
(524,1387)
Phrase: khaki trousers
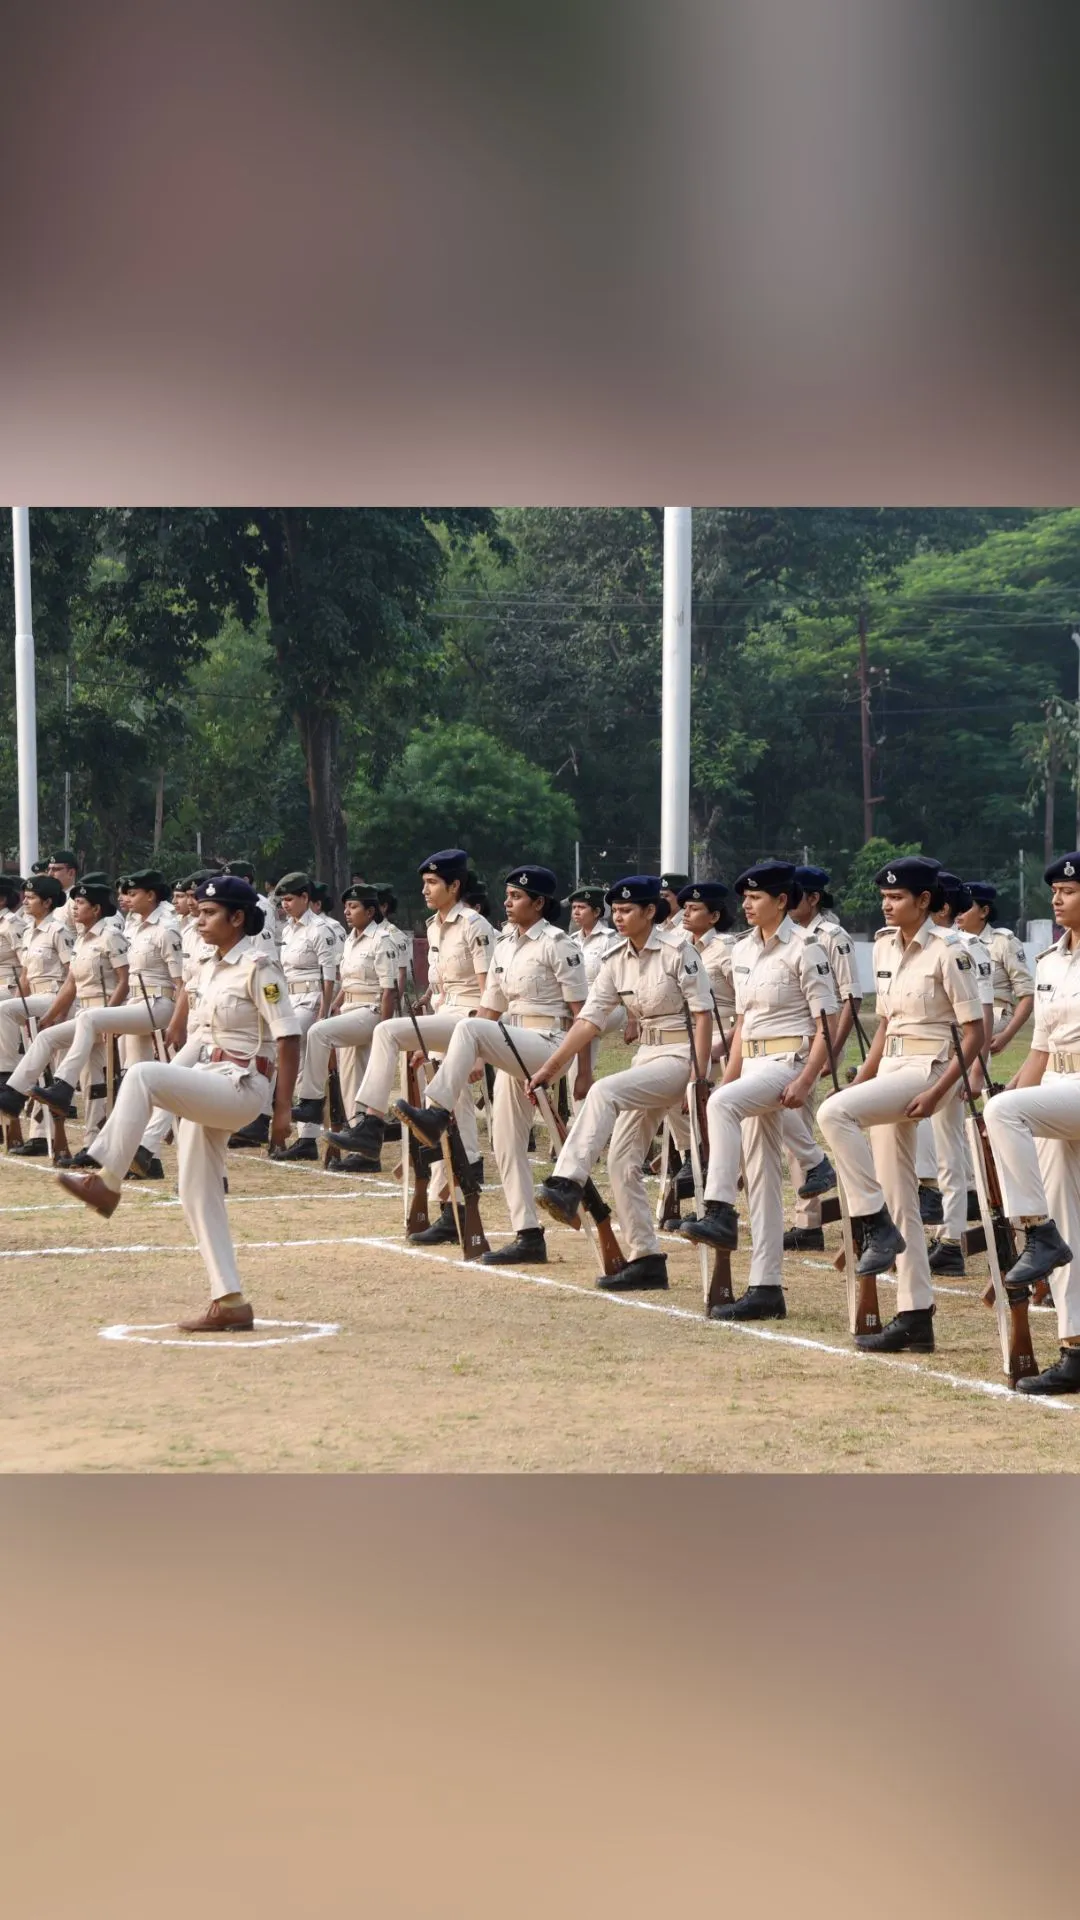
(513,1112)
(803,1151)
(350,1032)
(389,1039)
(942,1154)
(306,1009)
(880,1171)
(12,1022)
(746,1126)
(625,1109)
(92,1025)
(40,1054)
(1035,1134)
(614,1023)
(209,1103)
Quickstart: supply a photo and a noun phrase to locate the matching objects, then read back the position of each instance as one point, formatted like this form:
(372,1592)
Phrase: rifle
(668,1212)
(1010,1303)
(110,1054)
(716,1286)
(864,1313)
(864,1044)
(470,1231)
(597,1212)
(335,1113)
(415,1159)
(160,1043)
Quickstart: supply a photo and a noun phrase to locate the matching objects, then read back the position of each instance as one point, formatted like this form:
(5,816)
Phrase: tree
(860,904)
(457,786)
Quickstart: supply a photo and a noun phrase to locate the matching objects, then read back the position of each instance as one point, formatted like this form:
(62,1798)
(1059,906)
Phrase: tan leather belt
(303,982)
(661,1033)
(359,1000)
(259,1061)
(776,1043)
(899,1045)
(538,1022)
(1065,1062)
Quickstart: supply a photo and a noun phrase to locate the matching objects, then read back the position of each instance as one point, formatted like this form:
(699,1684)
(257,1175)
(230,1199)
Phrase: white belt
(661,1033)
(89,1000)
(900,1044)
(359,1000)
(776,1043)
(538,1022)
(303,982)
(1065,1062)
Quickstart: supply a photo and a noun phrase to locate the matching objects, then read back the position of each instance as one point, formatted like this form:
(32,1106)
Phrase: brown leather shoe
(220,1317)
(90,1188)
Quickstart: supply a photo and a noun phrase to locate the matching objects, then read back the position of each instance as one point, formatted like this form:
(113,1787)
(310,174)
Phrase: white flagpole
(675,696)
(25,692)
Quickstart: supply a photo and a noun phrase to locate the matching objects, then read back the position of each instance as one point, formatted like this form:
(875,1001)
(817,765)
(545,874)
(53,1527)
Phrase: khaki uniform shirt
(923,987)
(1012,975)
(839,951)
(1057,999)
(46,951)
(155,954)
(534,975)
(715,951)
(369,965)
(594,947)
(462,944)
(654,986)
(402,941)
(97,953)
(244,1002)
(309,955)
(13,925)
(782,985)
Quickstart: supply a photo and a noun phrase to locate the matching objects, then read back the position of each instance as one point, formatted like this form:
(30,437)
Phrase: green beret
(152,880)
(295,883)
(46,888)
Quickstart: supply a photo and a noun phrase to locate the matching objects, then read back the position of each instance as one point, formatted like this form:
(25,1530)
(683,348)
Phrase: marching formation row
(240,1017)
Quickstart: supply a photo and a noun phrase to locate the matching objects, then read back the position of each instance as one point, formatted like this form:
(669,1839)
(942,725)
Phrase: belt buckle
(894,1046)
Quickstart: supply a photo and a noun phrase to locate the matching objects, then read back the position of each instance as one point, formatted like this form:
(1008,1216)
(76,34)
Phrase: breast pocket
(772,986)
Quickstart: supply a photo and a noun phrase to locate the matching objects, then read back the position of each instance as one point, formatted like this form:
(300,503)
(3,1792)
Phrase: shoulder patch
(964,963)
(272,992)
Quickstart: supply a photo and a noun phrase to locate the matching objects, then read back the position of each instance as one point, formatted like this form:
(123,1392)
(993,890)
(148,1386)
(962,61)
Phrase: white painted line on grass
(141,1335)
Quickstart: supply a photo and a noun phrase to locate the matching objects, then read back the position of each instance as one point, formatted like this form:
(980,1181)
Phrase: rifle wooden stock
(470,1231)
(54,1127)
(419,1166)
(668,1209)
(334,1111)
(1010,1304)
(697,1102)
(864,1311)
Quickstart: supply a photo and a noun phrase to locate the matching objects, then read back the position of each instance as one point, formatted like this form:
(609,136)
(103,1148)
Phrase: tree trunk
(318,730)
(159,809)
(1048,813)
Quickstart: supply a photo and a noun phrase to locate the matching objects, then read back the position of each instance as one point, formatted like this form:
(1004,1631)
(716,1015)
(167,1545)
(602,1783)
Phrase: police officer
(671,884)
(658,983)
(924,986)
(13,924)
(223,1080)
(36,979)
(461,942)
(309,961)
(1034,1129)
(783,984)
(366,995)
(536,985)
(387,899)
(64,867)
(811,1173)
(1014,988)
(97,976)
(594,937)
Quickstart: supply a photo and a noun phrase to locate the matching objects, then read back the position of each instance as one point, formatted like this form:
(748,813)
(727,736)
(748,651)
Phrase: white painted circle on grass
(150,1336)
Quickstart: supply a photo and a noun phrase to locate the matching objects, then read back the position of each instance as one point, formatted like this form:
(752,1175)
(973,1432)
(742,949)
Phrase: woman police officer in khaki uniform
(244,1008)
(783,984)
(1014,988)
(1034,1128)
(925,985)
(367,993)
(659,983)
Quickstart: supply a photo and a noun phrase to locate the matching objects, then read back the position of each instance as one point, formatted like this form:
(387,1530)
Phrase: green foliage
(455,785)
(860,904)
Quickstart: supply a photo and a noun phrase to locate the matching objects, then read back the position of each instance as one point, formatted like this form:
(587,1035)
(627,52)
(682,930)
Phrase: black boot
(31,1149)
(804,1240)
(391,1130)
(881,1242)
(649,1271)
(58,1095)
(1062,1377)
(145,1166)
(255,1134)
(931,1207)
(561,1198)
(820,1179)
(84,1158)
(308,1112)
(362,1135)
(529,1248)
(10,1101)
(426,1124)
(300,1150)
(1044,1249)
(353,1163)
(946,1256)
(974,1211)
(910,1332)
(684,1182)
(718,1227)
(757,1303)
(440,1233)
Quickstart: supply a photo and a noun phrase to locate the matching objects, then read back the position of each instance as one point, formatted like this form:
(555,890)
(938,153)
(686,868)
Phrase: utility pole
(67,776)
(1020,917)
(675,694)
(25,690)
(1076,643)
(864,725)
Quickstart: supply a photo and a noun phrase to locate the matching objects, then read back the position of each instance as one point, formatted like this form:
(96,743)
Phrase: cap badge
(1069,870)
(696,895)
(890,879)
(625,893)
(211,891)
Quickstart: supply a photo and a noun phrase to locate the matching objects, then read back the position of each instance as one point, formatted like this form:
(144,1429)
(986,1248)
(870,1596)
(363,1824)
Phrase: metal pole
(1076,642)
(25,694)
(864,726)
(675,697)
(577,863)
(1020,916)
(67,776)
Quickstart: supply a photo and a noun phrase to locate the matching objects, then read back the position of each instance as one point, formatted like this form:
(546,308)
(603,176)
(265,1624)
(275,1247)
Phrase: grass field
(411,1360)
